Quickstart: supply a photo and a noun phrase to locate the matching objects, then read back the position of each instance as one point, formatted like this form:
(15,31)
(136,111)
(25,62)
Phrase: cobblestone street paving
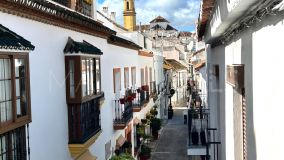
(172,144)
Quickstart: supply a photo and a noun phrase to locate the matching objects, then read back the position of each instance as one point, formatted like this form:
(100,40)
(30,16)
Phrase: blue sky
(181,13)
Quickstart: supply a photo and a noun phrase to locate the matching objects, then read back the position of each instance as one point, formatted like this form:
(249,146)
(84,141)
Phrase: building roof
(145,54)
(81,47)
(200,65)
(119,41)
(11,40)
(159,19)
(143,27)
(113,22)
(176,65)
(197,52)
(205,13)
(167,27)
(185,34)
(55,14)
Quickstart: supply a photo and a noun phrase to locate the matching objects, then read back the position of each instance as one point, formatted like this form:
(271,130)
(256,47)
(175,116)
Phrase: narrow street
(173,139)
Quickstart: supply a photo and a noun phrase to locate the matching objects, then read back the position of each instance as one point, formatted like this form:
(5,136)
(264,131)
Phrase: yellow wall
(130,22)
(129,15)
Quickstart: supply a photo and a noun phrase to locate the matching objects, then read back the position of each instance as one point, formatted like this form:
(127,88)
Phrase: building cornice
(258,13)
(115,40)
(50,13)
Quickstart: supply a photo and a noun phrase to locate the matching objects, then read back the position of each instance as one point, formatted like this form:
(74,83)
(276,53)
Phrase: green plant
(145,151)
(141,130)
(156,124)
(154,112)
(122,157)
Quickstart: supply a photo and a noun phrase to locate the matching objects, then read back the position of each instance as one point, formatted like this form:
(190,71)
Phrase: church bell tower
(129,15)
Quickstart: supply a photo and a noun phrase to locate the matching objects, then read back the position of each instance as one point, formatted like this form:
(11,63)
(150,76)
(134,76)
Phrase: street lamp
(170,109)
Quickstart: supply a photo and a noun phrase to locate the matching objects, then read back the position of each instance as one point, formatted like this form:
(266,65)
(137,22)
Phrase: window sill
(13,125)
(76,150)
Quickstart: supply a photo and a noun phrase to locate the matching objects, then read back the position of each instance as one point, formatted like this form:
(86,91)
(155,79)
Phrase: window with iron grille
(13,145)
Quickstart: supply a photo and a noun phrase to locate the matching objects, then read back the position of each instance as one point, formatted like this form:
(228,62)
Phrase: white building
(78,71)
(243,41)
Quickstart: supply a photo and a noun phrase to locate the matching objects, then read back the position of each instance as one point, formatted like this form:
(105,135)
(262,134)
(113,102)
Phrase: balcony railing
(123,109)
(142,97)
(84,121)
(200,137)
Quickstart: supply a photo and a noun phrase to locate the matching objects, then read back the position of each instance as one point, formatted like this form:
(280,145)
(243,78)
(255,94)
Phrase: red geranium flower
(122,100)
(129,99)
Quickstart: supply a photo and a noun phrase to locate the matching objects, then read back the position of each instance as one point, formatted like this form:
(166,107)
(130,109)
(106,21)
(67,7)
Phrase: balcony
(84,121)
(84,125)
(201,138)
(142,97)
(123,109)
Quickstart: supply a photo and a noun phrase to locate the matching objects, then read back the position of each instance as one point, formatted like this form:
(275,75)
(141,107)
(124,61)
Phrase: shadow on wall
(246,58)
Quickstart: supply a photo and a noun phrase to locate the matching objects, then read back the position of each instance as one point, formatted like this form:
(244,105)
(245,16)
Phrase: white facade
(262,83)
(49,127)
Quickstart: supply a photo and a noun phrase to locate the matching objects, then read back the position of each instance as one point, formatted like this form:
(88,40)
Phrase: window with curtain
(117,80)
(126,77)
(91,76)
(150,70)
(5,90)
(142,76)
(14,91)
(133,76)
(146,76)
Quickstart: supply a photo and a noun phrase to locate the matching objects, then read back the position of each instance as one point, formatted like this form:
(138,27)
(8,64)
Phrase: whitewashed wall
(49,128)
(264,87)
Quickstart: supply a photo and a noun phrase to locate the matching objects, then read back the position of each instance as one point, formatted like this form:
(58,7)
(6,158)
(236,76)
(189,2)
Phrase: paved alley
(172,143)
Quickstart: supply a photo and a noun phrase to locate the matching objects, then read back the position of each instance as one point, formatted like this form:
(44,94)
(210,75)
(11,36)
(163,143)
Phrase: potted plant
(144,121)
(145,152)
(155,124)
(122,157)
(170,112)
(194,136)
(154,112)
(203,137)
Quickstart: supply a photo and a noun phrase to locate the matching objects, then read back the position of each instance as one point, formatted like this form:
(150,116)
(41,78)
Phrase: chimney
(105,11)
(113,16)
